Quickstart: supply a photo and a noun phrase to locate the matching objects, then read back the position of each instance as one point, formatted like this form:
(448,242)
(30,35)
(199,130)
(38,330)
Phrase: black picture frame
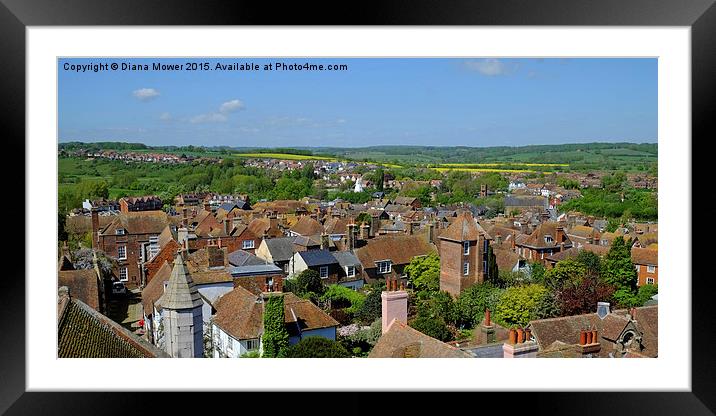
(15,15)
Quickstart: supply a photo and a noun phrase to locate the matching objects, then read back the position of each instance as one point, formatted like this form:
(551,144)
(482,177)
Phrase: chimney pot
(589,337)
(512,336)
(487,317)
(595,339)
(520,335)
(582,337)
(528,334)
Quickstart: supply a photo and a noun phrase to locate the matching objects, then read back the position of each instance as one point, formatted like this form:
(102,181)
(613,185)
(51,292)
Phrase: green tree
(306,282)
(317,347)
(275,336)
(521,304)
(493,273)
(645,293)
(567,272)
(617,267)
(424,272)
(537,272)
(432,327)
(372,307)
(470,305)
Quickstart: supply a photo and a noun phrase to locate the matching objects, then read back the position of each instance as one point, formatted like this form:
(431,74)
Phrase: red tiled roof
(398,248)
(402,341)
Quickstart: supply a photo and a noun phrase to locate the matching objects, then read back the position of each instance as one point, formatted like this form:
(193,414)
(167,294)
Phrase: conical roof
(181,293)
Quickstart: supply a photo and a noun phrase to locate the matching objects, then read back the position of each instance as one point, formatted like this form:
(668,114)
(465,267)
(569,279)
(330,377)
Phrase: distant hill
(582,156)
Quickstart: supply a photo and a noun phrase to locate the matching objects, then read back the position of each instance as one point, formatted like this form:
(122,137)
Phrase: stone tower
(182,317)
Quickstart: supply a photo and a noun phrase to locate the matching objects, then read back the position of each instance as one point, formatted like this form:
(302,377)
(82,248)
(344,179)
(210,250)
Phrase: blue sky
(438,102)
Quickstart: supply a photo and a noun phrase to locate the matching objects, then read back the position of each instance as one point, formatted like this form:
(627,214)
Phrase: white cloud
(231,106)
(145,94)
(208,118)
(490,66)
(165,116)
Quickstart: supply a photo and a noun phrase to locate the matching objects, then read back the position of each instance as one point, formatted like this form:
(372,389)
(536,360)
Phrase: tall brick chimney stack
(364,230)
(324,241)
(520,344)
(351,237)
(394,304)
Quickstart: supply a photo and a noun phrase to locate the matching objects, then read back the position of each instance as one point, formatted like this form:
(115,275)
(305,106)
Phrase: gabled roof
(83,332)
(142,222)
(317,257)
(526,201)
(346,258)
(463,228)
(645,256)
(400,249)
(402,341)
(506,259)
(240,314)
(404,200)
(281,248)
(537,238)
(254,270)
(181,293)
(244,258)
(307,226)
(337,225)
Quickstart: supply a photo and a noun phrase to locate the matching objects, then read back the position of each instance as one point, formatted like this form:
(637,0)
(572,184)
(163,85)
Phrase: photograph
(357,207)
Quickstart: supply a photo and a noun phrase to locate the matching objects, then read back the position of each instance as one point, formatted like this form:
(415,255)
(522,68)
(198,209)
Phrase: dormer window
(120,231)
(548,239)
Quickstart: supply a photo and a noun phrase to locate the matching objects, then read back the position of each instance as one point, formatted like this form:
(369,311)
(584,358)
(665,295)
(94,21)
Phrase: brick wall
(452,259)
(167,253)
(642,275)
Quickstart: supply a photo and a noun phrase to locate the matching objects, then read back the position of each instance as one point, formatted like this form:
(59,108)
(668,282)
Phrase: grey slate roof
(526,201)
(281,248)
(317,257)
(244,258)
(346,258)
(181,293)
(253,270)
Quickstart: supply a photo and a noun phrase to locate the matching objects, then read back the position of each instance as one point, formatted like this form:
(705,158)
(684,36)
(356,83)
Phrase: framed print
(237,191)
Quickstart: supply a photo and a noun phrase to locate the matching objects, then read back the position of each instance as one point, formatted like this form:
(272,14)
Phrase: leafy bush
(646,292)
(339,295)
(372,307)
(424,272)
(521,304)
(306,282)
(433,327)
(471,304)
(317,347)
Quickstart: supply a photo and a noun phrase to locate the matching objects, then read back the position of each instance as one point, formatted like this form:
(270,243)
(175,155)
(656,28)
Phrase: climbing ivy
(275,336)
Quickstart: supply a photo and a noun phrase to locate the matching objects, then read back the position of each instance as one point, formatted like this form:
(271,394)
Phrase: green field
(284,156)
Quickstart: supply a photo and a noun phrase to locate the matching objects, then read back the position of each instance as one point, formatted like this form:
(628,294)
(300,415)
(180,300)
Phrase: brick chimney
(185,216)
(431,232)
(324,241)
(588,342)
(207,205)
(559,237)
(488,329)
(520,345)
(514,237)
(374,225)
(364,229)
(351,236)
(227,226)
(394,304)
(95,228)
(498,238)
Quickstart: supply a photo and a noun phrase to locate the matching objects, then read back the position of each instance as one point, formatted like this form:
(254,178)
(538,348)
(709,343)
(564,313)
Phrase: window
(548,239)
(122,252)
(637,268)
(123,274)
(465,247)
(383,266)
(324,272)
(650,269)
(649,280)
(153,246)
(252,344)
(285,267)
(350,271)
(120,231)
(247,244)
(465,268)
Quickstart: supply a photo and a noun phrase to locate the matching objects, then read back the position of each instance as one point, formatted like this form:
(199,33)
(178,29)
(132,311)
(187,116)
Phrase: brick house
(132,238)
(463,254)
(646,262)
(547,239)
(386,256)
(142,203)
